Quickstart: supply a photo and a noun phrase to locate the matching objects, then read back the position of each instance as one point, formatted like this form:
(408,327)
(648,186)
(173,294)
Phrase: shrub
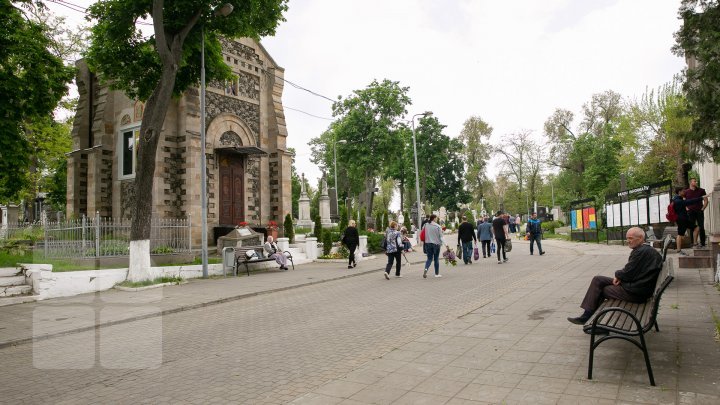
(373,242)
(386,220)
(470,218)
(378,222)
(289,228)
(161,250)
(407,224)
(318,227)
(343,217)
(327,242)
(363,222)
(550,226)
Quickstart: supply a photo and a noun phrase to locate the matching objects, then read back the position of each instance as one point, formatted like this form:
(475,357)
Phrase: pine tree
(289,228)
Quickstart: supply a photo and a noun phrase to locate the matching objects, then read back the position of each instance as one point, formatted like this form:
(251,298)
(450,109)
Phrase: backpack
(422,235)
(383,243)
(671,214)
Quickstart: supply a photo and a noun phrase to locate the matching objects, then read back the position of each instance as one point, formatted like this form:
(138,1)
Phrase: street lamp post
(417,176)
(224,11)
(337,195)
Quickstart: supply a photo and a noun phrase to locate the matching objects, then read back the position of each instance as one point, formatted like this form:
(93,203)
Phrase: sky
(512,63)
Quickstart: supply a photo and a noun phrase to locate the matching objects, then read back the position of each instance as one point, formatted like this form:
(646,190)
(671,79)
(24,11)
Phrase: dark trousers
(397,256)
(486,244)
(501,248)
(535,238)
(699,218)
(351,258)
(602,287)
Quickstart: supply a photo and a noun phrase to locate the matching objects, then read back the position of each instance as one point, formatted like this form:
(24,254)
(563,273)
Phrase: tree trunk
(150,132)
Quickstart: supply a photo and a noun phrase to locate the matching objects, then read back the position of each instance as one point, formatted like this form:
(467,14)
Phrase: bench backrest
(665,246)
(240,252)
(664,279)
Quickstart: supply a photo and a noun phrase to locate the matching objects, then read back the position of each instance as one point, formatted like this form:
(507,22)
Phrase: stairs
(701,258)
(13,289)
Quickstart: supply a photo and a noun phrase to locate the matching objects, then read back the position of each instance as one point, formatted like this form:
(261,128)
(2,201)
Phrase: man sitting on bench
(634,283)
(274,252)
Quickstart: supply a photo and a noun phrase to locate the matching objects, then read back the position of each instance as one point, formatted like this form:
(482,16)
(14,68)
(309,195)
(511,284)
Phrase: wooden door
(232,209)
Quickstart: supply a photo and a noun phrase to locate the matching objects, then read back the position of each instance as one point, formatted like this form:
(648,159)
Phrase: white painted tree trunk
(139,268)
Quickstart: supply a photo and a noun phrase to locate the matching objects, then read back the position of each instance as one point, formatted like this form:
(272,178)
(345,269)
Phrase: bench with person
(244,257)
(626,307)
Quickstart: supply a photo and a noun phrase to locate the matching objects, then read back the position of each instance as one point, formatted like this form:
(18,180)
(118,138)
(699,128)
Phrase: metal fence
(101,237)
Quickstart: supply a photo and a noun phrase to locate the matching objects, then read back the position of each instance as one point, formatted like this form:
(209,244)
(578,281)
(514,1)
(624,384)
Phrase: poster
(609,215)
(654,209)
(617,212)
(642,211)
(664,201)
(633,212)
(625,208)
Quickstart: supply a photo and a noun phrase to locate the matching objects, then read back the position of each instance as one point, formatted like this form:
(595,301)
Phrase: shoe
(580,320)
(350,267)
(398,276)
(354,264)
(425,273)
(504,260)
(484,257)
(531,253)
(438,275)
(499,262)
(387,276)
(542,253)
(469,261)
(681,253)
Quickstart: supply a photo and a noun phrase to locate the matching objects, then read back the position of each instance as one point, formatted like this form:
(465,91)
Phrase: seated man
(634,283)
(274,252)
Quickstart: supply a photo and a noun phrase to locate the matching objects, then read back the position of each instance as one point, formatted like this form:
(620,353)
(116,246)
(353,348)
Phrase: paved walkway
(506,344)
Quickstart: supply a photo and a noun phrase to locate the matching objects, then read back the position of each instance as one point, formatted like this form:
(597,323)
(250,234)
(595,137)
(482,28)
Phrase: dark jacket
(351,237)
(641,271)
(466,232)
(681,205)
(533,226)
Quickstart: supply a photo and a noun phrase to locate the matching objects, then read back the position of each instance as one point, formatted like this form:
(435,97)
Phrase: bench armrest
(598,317)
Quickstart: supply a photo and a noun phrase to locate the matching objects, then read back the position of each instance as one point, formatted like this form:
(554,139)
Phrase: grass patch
(8,259)
(211,260)
(145,283)
(556,236)
(674,306)
(717,325)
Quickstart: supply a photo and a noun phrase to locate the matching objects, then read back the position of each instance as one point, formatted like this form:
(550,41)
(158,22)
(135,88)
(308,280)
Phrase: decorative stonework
(250,113)
(138,111)
(127,198)
(252,181)
(230,139)
(249,85)
(125,120)
(243,51)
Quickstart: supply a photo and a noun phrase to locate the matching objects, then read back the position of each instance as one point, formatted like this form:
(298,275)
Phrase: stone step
(10,281)
(694,262)
(702,252)
(15,290)
(17,299)
(10,271)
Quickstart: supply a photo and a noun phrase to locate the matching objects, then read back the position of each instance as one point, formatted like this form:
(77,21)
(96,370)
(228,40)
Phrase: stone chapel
(248,163)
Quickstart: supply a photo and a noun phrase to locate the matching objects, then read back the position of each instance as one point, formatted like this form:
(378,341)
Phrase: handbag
(492,247)
(476,253)
(459,251)
(508,245)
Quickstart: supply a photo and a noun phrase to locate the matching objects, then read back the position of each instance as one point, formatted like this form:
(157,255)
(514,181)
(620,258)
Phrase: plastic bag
(476,253)
(459,251)
(492,247)
(508,245)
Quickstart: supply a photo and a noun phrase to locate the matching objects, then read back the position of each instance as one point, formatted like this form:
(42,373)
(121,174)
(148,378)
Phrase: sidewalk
(22,323)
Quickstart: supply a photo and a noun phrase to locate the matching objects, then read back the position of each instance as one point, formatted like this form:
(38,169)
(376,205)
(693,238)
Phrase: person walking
(393,249)
(533,230)
(351,240)
(433,242)
(485,236)
(511,223)
(466,236)
(518,222)
(500,232)
(272,250)
(696,212)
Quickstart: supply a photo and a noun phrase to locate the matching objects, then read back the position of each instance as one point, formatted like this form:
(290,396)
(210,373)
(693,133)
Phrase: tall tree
(32,82)
(367,121)
(432,149)
(475,137)
(697,40)
(514,150)
(162,65)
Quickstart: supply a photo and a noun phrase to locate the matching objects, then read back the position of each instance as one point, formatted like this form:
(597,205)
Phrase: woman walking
(433,241)
(351,239)
(393,249)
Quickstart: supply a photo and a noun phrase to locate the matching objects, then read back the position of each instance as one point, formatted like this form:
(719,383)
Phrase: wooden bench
(241,257)
(630,321)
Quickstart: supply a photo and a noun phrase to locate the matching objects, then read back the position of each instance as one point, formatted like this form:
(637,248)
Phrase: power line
(307,113)
(83,10)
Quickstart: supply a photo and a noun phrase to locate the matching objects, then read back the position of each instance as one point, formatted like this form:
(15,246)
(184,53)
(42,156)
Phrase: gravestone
(304,220)
(325,221)
(334,215)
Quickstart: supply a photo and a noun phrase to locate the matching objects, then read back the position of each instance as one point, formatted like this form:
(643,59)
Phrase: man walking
(500,232)
(466,236)
(485,236)
(696,212)
(634,283)
(533,229)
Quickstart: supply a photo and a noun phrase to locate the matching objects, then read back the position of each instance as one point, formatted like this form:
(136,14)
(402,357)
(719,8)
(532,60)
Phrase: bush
(550,226)
(373,242)
(407,224)
(318,228)
(327,242)
(470,218)
(343,217)
(289,228)
(378,222)
(386,220)
(363,222)
(161,250)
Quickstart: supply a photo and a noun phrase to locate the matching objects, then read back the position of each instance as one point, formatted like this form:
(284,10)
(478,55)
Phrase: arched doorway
(232,188)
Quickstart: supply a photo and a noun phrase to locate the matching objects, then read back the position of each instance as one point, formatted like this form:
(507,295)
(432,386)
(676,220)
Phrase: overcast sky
(511,62)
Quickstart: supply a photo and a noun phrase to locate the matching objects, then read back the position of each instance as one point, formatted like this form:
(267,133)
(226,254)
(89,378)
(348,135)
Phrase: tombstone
(414,215)
(401,219)
(442,214)
(474,214)
(325,221)
(304,220)
(9,215)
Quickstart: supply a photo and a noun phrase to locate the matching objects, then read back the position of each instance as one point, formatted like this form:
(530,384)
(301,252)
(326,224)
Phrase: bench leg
(247,268)
(647,358)
(657,328)
(592,355)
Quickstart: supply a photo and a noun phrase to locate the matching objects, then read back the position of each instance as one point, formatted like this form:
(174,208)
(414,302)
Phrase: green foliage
(162,250)
(145,283)
(386,220)
(327,242)
(470,218)
(698,39)
(475,153)
(343,217)
(373,242)
(318,231)
(15,251)
(296,186)
(342,253)
(378,223)
(550,226)
(407,223)
(289,228)
(32,82)
(363,222)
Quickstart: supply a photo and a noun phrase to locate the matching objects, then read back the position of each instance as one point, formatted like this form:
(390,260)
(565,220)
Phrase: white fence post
(97,233)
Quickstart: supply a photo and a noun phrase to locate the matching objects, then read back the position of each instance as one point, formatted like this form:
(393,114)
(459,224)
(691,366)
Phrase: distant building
(248,163)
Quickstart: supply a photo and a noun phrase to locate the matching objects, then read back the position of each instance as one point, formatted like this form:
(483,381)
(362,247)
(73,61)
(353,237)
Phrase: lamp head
(224,10)
(342,141)
(427,114)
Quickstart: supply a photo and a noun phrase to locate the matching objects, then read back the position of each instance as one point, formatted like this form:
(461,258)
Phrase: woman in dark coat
(351,239)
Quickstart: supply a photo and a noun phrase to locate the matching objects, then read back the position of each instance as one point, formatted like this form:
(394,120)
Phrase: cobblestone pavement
(484,333)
